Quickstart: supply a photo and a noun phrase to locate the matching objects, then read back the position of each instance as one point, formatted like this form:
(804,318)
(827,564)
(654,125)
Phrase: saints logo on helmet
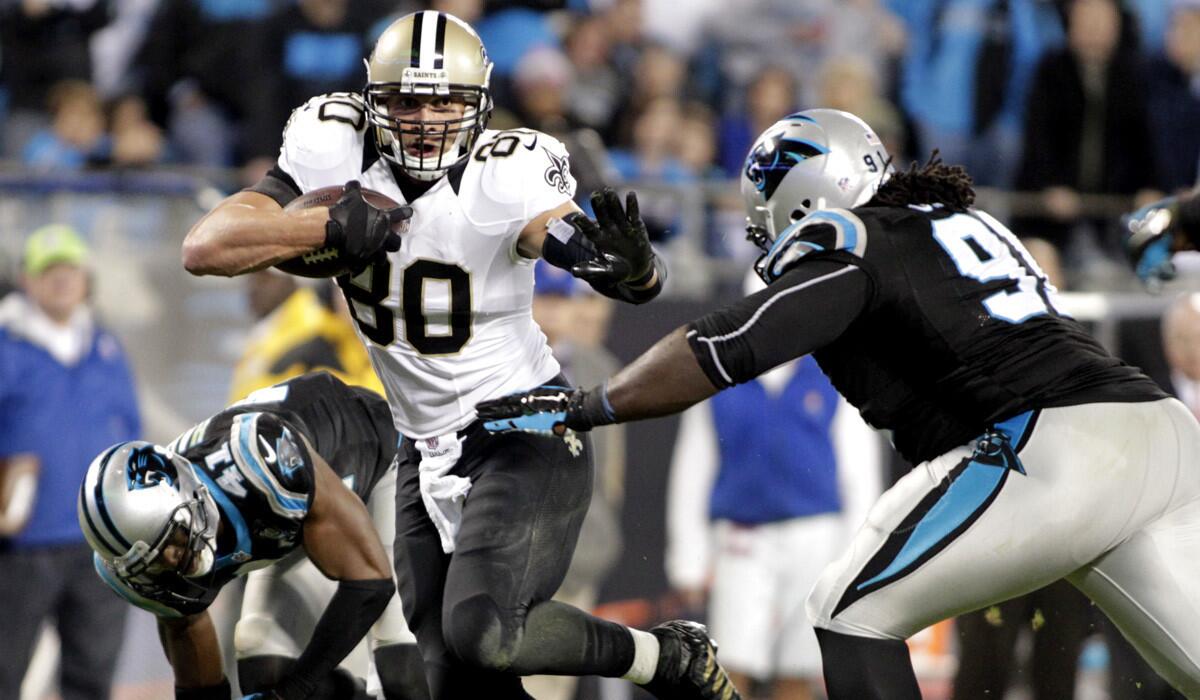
(137,498)
(427,92)
(815,159)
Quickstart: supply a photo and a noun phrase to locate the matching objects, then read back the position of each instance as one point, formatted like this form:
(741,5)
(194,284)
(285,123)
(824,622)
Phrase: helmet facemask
(193,525)
(426,149)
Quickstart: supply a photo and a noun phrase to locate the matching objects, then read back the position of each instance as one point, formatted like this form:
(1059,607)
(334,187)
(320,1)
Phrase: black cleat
(687,665)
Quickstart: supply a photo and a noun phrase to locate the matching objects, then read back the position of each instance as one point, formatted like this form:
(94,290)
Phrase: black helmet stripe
(415,49)
(439,45)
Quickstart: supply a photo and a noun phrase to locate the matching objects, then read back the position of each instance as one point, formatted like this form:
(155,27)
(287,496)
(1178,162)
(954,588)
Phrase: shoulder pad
(272,456)
(323,141)
(515,175)
(822,231)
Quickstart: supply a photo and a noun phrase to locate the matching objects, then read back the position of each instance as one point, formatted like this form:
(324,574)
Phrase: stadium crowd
(1061,99)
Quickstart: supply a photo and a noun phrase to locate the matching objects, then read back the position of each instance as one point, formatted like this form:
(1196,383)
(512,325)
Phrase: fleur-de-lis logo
(558,173)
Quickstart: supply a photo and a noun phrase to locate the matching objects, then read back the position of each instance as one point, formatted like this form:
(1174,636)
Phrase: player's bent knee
(479,633)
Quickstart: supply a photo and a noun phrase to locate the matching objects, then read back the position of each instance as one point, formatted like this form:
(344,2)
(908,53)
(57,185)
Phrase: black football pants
(483,615)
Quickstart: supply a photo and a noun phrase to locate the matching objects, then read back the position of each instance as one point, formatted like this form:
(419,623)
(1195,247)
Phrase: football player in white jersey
(446,318)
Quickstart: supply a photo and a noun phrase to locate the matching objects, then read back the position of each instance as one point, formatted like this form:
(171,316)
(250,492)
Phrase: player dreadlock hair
(931,183)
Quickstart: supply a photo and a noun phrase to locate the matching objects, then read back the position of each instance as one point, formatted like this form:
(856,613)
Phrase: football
(329,262)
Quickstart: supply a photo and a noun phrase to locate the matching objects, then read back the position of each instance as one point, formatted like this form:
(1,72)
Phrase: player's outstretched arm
(805,309)
(340,539)
(190,643)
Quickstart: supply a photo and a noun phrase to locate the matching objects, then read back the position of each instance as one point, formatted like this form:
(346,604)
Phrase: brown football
(329,262)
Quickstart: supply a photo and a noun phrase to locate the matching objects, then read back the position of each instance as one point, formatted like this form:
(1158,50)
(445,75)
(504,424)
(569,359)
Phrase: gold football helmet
(428,64)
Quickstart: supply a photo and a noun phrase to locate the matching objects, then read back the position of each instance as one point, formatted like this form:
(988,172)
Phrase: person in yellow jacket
(300,329)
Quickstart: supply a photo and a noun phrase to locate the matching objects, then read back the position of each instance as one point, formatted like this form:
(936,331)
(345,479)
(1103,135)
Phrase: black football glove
(1149,239)
(547,410)
(620,237)
(360,229)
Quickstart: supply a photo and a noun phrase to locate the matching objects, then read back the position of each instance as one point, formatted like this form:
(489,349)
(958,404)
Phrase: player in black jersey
(289,467)
(1041,456)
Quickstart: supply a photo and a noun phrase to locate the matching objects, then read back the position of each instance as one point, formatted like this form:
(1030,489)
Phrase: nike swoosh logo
(270,452)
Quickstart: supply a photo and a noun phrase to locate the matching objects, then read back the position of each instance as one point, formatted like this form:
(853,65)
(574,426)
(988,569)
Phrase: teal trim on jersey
(134,599)
(849,228)
(300,507)
(973,489)
(244,548)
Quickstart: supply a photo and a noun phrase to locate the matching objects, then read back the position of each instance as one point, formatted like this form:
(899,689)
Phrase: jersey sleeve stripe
(712,342)
(282,501)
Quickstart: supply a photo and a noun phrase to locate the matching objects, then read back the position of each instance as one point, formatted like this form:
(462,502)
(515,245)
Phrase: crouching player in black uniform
(290,466)
(1040,455)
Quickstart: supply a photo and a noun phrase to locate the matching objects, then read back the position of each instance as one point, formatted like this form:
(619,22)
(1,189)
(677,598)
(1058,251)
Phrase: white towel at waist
(443,492)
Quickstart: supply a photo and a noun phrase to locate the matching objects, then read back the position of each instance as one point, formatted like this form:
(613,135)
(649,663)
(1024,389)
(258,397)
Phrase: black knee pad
(479,633)
(401,672)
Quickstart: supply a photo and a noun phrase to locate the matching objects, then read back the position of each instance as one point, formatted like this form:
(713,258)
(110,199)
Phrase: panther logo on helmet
(773,156)
(147,467)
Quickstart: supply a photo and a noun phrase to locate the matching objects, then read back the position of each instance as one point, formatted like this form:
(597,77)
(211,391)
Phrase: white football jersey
(447,319)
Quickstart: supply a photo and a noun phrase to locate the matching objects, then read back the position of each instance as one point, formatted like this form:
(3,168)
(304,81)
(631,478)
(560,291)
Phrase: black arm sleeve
(804,310)
(277,185)
(353,609)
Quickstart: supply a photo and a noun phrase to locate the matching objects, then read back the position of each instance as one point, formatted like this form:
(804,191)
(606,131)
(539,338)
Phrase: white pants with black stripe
(284,601)
(1109,499)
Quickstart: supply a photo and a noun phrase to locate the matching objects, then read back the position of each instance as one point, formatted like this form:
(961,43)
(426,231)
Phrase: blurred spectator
(653,159)
(966,75)
(658,74)
(567,315)
(76,136)
(136,141)
(771,96)
(798,35)
(1174,99)
(737,497)
(1087,129)
(42,42)
(1059,618)
(201,72)
(850,84)
(300,328)
(696,140)
(595,91)
(540,84)
(311,47)
(66,394)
